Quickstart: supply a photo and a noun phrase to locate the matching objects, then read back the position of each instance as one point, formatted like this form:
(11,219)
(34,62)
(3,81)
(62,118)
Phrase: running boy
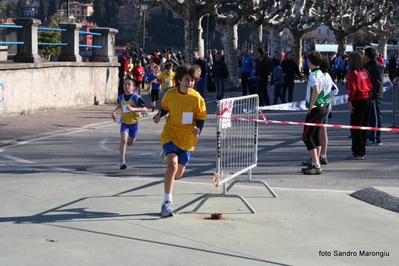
(187,113)
(166,78)
(154,87)
(315,102)
(130,104)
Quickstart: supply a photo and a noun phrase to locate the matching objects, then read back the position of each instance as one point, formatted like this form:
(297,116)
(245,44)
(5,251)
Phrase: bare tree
(347,17)
(304,16)
(227,17)
(385,28)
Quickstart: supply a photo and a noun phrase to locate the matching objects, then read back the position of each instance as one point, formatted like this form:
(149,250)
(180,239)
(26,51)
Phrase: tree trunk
(230,44)
(340,38)
(192,34)
(297,49)
(275,43)
(382,45)
(258,30)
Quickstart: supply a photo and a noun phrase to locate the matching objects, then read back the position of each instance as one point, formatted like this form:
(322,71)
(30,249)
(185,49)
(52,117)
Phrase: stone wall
(35,87)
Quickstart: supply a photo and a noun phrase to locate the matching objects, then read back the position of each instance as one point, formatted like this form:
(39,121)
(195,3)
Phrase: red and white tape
(264,120)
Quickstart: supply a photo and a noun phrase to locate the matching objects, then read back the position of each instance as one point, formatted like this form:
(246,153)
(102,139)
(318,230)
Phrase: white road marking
(20,160)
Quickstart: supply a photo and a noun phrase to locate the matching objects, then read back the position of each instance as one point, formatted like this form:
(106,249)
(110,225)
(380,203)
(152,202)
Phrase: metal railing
(42,29)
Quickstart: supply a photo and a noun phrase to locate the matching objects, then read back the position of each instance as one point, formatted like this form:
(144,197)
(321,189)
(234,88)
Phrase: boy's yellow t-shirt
(166,80)
(184,110)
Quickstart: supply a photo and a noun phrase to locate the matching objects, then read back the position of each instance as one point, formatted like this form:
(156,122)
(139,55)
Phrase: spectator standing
(201,84)
(305,66)
(246,68)
(219,74)
(359,90)
(377,79)
(290,70)
(392,66)
(380,59)
(263,69)
(277,81)
(315,102)
(331,90)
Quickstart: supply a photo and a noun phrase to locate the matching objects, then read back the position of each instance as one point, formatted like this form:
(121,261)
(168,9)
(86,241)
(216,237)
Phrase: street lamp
(143,8)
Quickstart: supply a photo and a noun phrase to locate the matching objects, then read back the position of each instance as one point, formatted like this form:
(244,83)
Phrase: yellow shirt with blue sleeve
(134,100)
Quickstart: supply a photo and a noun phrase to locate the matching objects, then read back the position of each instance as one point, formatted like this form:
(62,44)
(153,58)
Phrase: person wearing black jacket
(377,78)
(263,69)
(290,70)
(219,74)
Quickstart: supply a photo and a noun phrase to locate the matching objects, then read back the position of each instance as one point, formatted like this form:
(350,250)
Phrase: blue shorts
(132,129)
(183,157)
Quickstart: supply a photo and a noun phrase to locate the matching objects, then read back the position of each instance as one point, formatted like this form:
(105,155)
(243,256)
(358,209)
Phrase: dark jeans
(360,117)
(245,83)
(252,86)
(277,93)
(261,86)
(289,84)
(375,120)
(219,87)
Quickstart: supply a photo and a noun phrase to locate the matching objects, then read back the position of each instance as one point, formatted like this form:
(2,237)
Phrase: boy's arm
(315,92)
(158,116)
(115,112)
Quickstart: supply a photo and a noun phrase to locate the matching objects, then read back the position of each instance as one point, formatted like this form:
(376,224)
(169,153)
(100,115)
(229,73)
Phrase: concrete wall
(35,87)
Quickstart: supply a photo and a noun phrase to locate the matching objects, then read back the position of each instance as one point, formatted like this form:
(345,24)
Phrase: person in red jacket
(359,89)
(138,75)
(122,71)
(380,59)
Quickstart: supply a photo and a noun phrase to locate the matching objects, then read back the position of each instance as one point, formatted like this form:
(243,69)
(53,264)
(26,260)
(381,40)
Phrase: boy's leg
(122,146)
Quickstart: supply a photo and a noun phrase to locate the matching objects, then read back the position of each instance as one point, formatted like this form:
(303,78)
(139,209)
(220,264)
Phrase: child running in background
(166,79)
(154,87)
(138,75)
(187,113)
(130,104)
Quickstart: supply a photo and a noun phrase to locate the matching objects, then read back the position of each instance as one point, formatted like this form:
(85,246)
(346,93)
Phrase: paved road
(86,139)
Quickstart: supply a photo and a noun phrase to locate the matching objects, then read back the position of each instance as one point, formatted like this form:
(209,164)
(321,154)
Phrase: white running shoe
(166,209)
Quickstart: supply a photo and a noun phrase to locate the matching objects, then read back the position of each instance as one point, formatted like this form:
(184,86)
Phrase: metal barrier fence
(237,145)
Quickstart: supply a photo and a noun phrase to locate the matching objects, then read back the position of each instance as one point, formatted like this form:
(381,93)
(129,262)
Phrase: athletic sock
(167,197)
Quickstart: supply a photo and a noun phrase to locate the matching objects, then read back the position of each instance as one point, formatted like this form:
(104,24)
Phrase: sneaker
(312,170)
(373,143)
(323,160)
(307,162)
(166,209)
(355,157)
(123,166)
(162,157)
